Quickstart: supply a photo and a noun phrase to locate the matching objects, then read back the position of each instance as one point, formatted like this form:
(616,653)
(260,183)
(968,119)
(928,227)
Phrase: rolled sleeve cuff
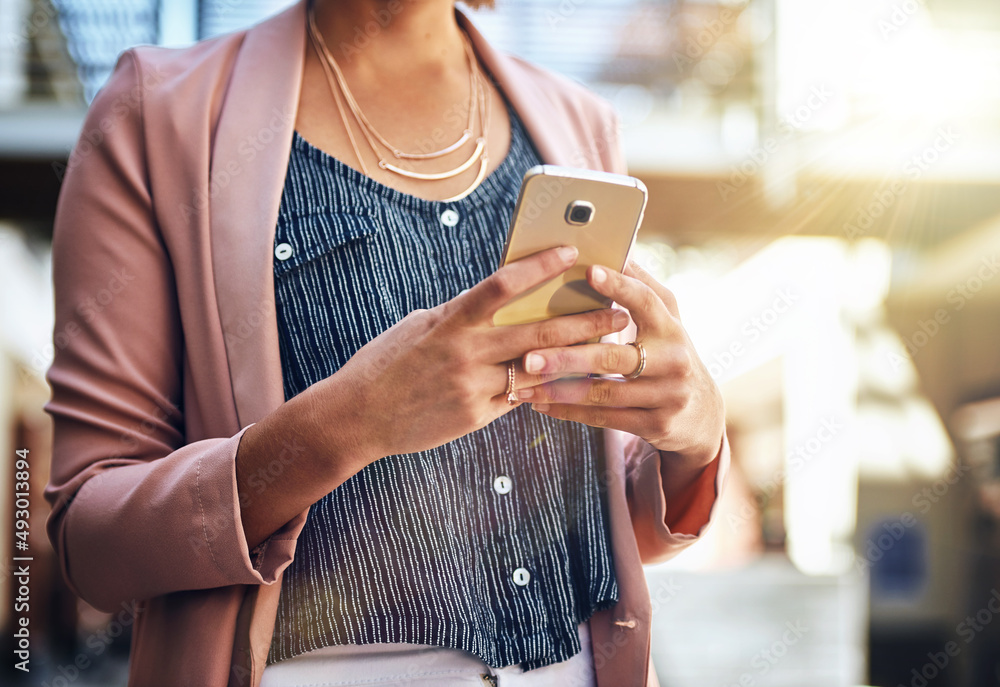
(229,548)
(658,538)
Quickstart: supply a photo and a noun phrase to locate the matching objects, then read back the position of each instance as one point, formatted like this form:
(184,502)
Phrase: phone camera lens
(579,212)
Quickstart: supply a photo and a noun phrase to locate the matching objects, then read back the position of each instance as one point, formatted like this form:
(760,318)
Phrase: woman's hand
(674,404)
(439,374)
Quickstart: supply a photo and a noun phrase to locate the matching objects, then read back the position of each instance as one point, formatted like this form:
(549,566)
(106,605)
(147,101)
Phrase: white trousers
(420,665)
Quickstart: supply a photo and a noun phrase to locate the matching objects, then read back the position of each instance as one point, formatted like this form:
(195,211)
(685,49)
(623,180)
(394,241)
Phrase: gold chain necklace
(335,79)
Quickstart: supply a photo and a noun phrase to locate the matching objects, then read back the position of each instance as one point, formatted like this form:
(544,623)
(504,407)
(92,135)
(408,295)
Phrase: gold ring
(511,396)
(642,360)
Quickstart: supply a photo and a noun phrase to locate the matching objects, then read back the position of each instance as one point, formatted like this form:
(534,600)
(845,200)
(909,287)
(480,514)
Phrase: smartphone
(598,212)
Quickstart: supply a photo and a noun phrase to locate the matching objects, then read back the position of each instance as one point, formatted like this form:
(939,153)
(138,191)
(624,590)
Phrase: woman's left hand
(674,404)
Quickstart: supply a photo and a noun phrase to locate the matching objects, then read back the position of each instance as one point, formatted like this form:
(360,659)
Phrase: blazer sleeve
(136,510)
(661,532)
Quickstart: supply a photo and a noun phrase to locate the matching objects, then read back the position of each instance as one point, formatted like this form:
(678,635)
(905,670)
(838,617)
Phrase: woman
(293,434)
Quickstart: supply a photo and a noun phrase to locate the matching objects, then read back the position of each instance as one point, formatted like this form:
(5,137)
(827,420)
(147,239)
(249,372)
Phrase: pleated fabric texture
(496,543)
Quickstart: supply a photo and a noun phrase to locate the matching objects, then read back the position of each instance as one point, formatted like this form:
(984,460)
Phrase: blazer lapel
(249,162)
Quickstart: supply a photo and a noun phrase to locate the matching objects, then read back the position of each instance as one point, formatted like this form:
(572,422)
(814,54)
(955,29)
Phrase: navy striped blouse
(496,543)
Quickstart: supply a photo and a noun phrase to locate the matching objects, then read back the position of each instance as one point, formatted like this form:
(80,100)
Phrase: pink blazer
(167,350)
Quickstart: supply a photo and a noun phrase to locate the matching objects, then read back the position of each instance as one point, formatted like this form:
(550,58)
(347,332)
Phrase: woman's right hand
(432,377)
(439,374)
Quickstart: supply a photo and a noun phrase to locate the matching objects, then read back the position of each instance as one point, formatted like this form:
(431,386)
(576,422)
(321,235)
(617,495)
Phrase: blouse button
(521,577)
(283,251)
(449,218)
(502,484)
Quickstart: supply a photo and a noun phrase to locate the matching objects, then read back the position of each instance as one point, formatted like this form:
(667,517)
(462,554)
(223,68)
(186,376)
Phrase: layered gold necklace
(479,102)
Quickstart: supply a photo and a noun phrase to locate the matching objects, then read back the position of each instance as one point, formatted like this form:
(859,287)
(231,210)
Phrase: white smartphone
(598,212)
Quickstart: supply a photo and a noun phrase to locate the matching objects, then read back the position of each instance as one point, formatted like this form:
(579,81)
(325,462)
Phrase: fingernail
(525,394)
(534,363)
(599,274)
(619,319)
(567,253)
(540,407)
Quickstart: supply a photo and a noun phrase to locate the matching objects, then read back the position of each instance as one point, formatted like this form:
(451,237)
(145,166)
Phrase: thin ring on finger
(642,360)
(511,394)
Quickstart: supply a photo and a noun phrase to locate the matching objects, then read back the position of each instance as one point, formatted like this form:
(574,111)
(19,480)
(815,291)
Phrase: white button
(502,484)
(283,251)
(449,218)
(521,577)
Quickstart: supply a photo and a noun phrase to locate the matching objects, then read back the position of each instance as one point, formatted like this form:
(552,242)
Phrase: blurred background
(824,184)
